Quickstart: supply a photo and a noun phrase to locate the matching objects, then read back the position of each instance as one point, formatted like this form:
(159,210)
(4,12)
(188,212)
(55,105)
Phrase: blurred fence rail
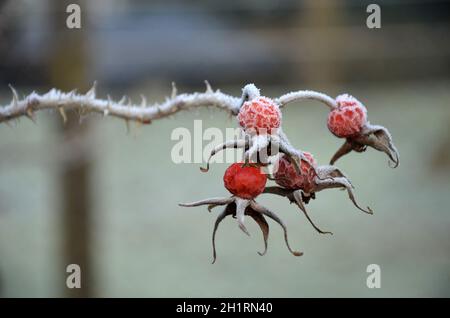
(232,42)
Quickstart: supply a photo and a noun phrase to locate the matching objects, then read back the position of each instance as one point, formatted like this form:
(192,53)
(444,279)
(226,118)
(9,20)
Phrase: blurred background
(91,193)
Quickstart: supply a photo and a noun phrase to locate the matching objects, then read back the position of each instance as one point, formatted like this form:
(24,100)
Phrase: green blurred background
(95,195)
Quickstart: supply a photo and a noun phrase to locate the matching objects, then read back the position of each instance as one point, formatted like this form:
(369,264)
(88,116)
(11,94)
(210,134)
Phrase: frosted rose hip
(348,118)
(261,115)
(287,176)
(245,182)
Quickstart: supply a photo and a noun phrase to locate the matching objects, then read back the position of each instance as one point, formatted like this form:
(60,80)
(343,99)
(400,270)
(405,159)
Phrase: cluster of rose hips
(296,173)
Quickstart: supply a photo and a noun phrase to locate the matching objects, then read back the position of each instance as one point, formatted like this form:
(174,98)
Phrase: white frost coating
(250,92)
(302,95)
(88,103)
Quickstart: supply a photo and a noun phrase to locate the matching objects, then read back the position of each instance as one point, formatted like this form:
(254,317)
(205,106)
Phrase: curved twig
(306,94)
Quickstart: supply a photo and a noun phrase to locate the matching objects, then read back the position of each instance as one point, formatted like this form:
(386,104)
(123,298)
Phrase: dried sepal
(299,202)
(258,147)
(259,208)
(280,191)
(346,148)
(241,205)
(295,196)
(263,225)
(235,144)
(230,209)
(210,202)
(375,136)
(379,138)
(334,178)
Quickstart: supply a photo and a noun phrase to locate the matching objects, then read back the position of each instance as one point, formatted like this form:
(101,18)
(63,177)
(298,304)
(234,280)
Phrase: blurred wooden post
(320,45)
(68,70)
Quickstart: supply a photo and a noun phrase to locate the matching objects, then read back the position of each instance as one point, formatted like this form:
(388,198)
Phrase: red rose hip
(260,115)
(245,182)
(347,119)
(287,176)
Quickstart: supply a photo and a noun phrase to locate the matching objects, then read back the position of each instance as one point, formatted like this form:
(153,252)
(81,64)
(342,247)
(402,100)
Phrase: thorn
(123,100)
(144,101)
(52,92)
(108,106)
(208,87)
(31,102)
(15,96)
(174,90)
(63,114)
(93,91)
(72,93)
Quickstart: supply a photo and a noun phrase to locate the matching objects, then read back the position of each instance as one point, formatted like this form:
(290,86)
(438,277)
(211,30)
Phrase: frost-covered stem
(88,103)
(144,113)
(302,95)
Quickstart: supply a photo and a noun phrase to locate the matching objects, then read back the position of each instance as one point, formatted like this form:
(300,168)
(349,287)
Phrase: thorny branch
(144,112)
(325,177)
